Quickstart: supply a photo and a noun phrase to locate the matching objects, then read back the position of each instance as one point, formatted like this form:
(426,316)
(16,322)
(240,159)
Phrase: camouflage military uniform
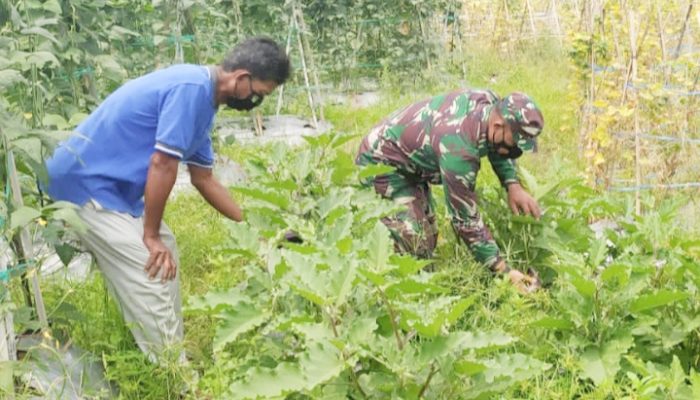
(437,141)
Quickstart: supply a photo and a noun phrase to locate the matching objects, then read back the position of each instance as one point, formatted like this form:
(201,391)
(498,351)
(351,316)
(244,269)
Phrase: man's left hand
(520,201)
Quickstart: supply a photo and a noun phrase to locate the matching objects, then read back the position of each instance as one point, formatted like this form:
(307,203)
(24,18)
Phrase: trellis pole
(179,53)
(8,349)
(25,249)
(557,24)
(632,16)
(531,17)
(297,27)
(662,42)
(286,51)
(684,29)
(308,54)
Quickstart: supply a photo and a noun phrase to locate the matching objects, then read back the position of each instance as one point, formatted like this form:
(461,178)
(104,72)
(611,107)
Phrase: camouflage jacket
(441,141)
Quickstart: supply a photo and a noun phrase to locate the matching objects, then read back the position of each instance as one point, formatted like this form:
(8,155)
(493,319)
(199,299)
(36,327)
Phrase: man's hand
(520,201)
(524,283)
(160,257)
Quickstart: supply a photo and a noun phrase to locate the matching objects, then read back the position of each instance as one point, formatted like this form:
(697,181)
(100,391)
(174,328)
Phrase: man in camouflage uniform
(441,141)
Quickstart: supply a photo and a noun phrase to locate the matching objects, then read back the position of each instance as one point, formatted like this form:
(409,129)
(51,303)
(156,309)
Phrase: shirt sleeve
(204,156)
(504,169)
(458,169)
(178,119)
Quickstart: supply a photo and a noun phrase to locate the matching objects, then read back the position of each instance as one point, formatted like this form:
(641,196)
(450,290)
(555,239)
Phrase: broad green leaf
(661,298)
(410,286)
(583,286)
(76,119)
(52,5)
(245,238)
(22,216)
(55,120)
(9,77)
(41,32)
(70,216)
(310,295)
(502,372)
(344,274)
(601,364)
(41,58)
(379,246)
(463,340)
(234,322)
(111,68)
(407,264)
(269,197)
(362,330)
(695,382)
(374,170)
(65,253)
(431,318)
(320,363)
(376,279)
(315,332)
(216,300)
(340,229)
(469,368)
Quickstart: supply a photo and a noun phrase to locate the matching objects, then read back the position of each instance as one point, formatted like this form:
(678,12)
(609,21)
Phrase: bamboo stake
(532,20)
(685,27)
(7,330)
(286,51)
(306,72)
(637,144)
(311,62)
(25,250)
(662,42)
(557,24)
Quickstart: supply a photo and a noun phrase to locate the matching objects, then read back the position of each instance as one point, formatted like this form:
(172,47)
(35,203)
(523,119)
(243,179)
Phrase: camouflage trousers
(414,230)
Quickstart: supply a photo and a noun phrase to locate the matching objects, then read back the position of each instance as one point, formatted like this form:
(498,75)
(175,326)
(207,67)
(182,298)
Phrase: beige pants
(152,309)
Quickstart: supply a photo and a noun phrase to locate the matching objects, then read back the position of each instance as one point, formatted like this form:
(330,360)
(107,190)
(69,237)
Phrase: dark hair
(262,57)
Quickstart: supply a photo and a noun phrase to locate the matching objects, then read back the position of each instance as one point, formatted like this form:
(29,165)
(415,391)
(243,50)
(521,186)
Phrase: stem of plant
(392,318)
(433,370)
(345,356)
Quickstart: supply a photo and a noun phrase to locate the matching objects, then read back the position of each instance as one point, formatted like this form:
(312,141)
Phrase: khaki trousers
(151,309)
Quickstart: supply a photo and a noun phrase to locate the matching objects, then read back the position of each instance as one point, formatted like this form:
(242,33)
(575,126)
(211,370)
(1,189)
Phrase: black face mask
(246,104)
(513,152)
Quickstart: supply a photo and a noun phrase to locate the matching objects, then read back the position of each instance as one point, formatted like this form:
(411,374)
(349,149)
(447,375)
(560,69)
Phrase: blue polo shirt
(107,158)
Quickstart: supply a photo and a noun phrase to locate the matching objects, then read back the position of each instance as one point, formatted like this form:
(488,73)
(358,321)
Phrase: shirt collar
(213,78)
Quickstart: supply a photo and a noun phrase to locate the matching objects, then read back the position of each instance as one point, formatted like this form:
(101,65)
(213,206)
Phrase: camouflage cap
(524,118)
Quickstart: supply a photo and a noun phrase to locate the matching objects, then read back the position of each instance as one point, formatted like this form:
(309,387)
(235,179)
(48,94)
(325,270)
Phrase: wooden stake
(532,19)
(306,72)
(286,51)
(310,59)
(25,250)
(685,27)
(557,25)
(662,42)
(637,144)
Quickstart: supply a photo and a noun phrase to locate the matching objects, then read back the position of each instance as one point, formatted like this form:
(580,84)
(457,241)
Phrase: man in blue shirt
(121,163)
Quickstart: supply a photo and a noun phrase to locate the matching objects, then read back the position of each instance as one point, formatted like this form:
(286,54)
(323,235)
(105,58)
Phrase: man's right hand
(524,283)
(160,258)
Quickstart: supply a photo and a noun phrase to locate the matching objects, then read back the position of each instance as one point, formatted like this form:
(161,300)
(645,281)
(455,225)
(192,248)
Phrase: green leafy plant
(340,312)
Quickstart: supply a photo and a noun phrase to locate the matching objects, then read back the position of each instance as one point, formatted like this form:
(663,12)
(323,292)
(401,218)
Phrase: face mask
(246,104)
(513,152)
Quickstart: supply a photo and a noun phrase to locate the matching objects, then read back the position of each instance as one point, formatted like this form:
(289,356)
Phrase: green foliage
(341,309)
(616,295)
